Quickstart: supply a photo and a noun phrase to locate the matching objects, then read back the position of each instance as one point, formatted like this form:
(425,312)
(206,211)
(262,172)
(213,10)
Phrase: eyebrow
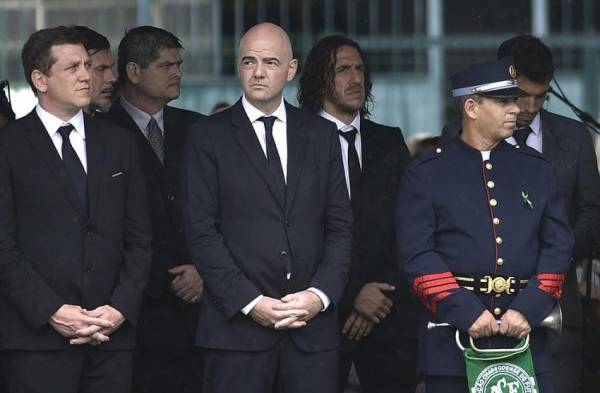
(169,63)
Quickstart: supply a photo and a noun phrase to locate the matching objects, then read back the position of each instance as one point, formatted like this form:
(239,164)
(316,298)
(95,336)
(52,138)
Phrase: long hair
(317,79)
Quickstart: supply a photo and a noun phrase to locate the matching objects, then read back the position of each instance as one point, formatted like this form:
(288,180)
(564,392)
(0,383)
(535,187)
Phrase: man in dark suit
(102,70)
(150,76)
(378,309)
(568,145)
(268,221)
(74,232)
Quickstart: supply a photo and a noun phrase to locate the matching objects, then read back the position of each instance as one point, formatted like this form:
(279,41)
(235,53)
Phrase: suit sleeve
(426,271)
(226,283)
(35,300)
(332,274)
(133,276)
(536,300)
(587,199)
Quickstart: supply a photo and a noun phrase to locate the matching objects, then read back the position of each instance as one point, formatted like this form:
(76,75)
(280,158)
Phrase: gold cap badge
(512,72)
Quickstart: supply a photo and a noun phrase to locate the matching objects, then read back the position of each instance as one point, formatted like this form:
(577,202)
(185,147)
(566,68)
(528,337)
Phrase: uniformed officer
(483,233)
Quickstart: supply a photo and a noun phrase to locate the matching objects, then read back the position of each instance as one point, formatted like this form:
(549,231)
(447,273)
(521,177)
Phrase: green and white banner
(501,371)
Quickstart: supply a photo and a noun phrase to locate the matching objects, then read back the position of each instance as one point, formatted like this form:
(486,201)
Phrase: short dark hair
(142,45)
(35,54)
(532,58)
(317,79)
(94,41)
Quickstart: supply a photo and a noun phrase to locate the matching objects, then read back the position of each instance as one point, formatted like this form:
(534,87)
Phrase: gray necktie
(155,138)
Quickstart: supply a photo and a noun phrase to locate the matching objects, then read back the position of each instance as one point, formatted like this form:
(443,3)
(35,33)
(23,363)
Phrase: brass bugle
(553,321)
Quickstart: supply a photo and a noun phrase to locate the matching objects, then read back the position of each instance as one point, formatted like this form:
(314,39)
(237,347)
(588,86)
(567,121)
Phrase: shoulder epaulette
(529,151)
(429,156)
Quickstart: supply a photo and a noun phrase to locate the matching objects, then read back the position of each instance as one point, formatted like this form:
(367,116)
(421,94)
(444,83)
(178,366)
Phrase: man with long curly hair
(377,309)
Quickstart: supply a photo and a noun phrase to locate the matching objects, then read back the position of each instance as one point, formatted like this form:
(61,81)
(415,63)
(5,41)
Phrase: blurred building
(412,45)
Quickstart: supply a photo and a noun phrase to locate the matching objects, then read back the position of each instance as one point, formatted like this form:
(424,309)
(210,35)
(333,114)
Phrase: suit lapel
(369,146)
(38,137)
(125,120)
(173,133)
(296,144)
(246,137)
(550,142)
(95,145)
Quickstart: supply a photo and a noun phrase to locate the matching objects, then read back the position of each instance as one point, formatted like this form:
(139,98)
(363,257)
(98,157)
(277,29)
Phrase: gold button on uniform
(500,261)
(497,311)
(496,221)
(488,166)
(493,202)
(499,240)
(491,184)
(438,150)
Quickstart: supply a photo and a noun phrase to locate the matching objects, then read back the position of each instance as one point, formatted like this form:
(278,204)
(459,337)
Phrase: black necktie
(272,153)
(521,135)
(353,171)
(74,166)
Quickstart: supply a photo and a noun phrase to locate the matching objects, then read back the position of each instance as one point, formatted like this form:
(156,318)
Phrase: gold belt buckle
(499,285)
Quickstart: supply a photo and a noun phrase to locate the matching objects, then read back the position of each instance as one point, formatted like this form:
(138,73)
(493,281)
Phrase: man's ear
(292,69)
(471,108)
(40,81)
(133,72)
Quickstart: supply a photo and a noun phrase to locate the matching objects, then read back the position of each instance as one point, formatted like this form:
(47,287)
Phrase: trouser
(78,369)
(382,365)
(281,369)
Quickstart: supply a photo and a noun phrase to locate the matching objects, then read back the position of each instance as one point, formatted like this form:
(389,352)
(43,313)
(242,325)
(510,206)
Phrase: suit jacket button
(87,269)
(287,223)
(86,232)
(283,253)
(171,197)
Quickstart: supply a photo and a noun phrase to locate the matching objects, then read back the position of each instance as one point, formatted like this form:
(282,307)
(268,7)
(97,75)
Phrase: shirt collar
(53,123)
(140,117)
(340,124)
(254,113)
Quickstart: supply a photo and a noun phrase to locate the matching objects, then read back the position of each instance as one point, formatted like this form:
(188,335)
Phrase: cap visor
(504,93)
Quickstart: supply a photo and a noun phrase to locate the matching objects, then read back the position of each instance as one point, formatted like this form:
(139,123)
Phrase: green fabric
(509,371)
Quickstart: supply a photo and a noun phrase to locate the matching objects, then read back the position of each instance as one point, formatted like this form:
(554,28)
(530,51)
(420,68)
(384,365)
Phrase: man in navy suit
(567,144)
(74,232)
(483,233)
(268,222)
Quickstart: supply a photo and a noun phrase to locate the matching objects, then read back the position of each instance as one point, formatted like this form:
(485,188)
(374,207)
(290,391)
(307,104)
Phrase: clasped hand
(83,326)
(292,311)
(371,306)
(512,324)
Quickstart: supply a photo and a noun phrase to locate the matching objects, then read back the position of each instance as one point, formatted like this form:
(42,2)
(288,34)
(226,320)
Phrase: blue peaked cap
(491,78)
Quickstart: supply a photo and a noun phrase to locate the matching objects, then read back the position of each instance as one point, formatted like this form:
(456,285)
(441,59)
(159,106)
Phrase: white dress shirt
(76,137)
(344,143)
(534,139)
(279,130)
(280,137)
(142,118)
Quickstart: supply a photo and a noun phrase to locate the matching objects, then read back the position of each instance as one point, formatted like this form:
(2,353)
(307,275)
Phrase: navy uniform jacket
(458,215)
